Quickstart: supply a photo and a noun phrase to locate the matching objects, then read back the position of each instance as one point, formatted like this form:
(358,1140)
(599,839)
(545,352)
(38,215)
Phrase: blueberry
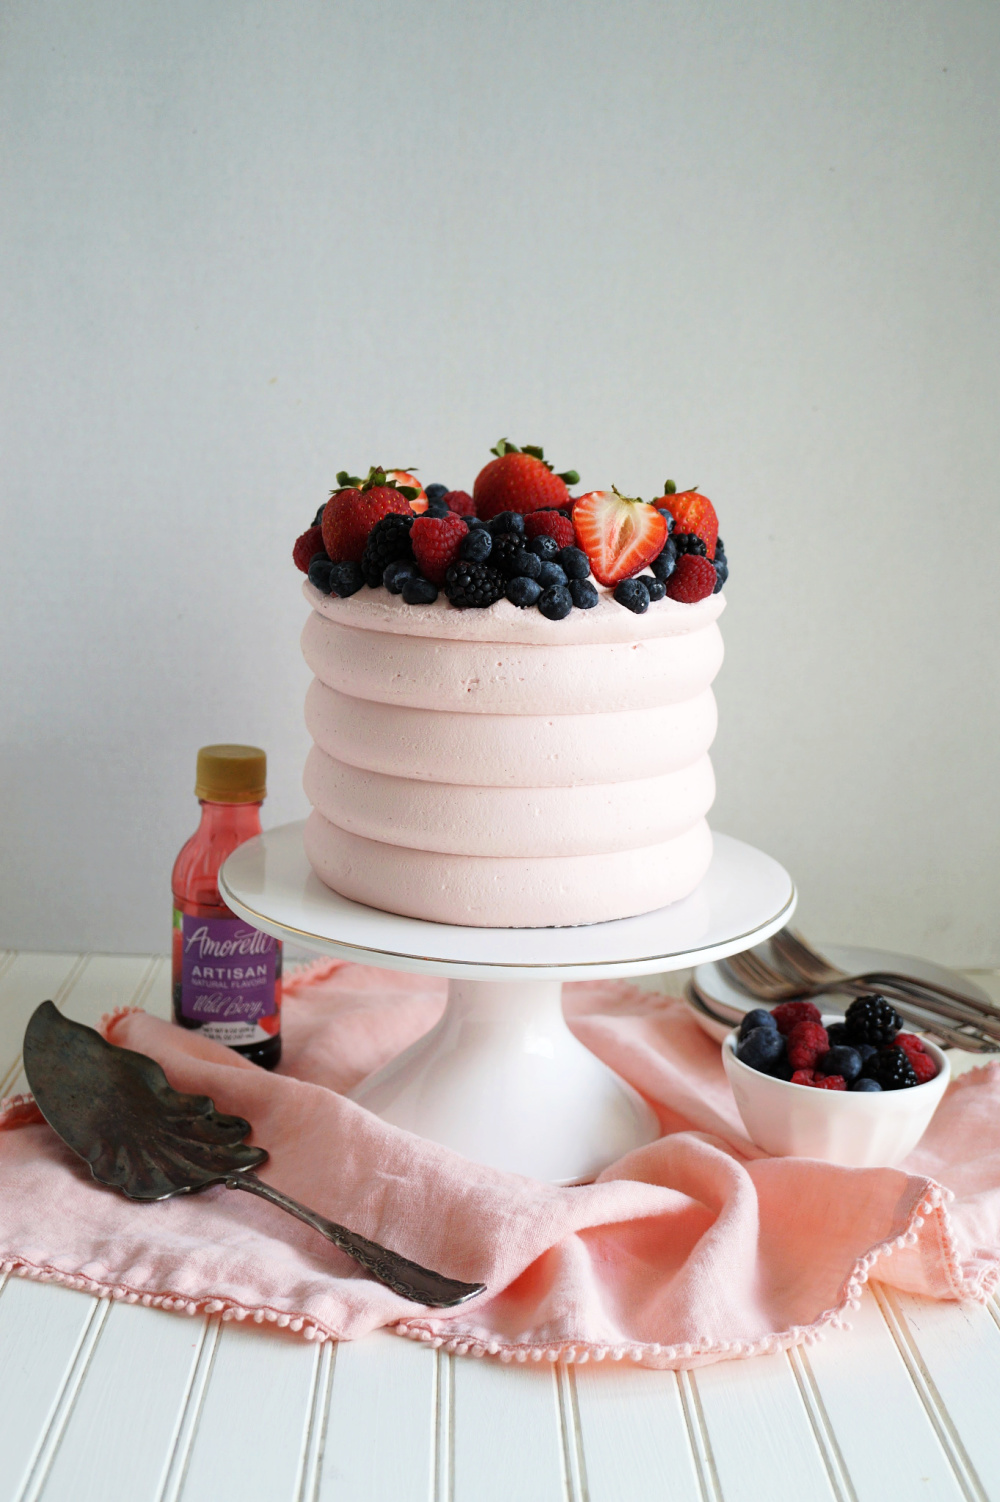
(865,1084)
(782,1070)
(527,565)
(476,521)
(523,591)
(866,1050)
(555,602)
(655,588)
(476,546)
(507,521)
(345,579)
(720,549)
(317,519)
(837,1033)
(632,595)
(585,596)
(437,508)
(544,547)
(435,492)
(665,562)
(319,573)
(761,1048)
(668,517)
(550,573)
(396,574)
(841,1059)
(721,574)
(419,591)
(574,563)
(757,1018)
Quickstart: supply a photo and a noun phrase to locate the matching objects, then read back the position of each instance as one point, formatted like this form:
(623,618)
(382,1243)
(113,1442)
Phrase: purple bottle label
(229,979)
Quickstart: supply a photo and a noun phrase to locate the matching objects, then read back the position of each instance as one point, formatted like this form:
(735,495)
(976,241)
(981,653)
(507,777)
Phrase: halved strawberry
(692,512)
(619,534)
(401,477)
(520,480)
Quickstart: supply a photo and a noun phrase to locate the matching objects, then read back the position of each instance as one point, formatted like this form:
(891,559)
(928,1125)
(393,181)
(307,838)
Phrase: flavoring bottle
(226,974)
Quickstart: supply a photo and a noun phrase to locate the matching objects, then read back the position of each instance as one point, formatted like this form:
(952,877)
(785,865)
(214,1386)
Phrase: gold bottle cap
(231,774)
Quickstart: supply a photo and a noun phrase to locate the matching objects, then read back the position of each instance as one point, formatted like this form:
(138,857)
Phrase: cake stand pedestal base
(501,1078)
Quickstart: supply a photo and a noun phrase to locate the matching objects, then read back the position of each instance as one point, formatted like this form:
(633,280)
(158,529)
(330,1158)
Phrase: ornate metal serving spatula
(116,1110)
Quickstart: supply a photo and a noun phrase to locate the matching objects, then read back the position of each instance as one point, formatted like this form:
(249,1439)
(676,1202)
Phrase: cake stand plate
(501,1078)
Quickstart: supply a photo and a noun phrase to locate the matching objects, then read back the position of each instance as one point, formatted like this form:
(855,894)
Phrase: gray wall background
(243,245)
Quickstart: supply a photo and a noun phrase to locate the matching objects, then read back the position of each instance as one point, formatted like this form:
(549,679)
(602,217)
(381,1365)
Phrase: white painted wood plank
(762,1440)
(381,1427)
(635,1437)
(250,1438)
(955,1353)
(846,1371)
(507,1438)
(117,1443)
(32,978)
(43,1328)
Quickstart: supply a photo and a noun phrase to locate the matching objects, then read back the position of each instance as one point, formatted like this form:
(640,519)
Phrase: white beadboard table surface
(109,1402)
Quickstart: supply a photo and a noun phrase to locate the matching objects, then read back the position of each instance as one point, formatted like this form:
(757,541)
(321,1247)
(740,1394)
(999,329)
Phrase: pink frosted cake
(498,765)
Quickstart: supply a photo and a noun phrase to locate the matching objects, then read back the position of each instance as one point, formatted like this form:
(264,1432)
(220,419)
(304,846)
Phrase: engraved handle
(420,1284)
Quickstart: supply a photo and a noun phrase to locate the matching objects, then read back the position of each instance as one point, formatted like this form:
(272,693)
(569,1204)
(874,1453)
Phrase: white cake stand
(501,1079)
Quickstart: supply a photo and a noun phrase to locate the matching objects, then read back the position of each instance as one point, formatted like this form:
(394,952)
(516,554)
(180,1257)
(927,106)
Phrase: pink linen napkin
(695,1248)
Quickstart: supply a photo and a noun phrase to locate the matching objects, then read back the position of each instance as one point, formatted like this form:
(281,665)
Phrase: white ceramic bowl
(856,1129)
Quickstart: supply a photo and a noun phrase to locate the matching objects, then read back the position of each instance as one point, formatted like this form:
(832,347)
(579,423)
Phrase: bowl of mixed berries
(856,1090)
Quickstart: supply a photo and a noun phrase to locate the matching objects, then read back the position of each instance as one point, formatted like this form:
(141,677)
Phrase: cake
(496,765)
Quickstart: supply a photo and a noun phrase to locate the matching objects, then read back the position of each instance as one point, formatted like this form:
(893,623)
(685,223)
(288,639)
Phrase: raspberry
(923,1067)
(306,547)
(459,501)
(435,541)
(790,1012)
(550,524)
(804,1077)
(693,579)
(807,1043)
(829,1082)
(910,1044)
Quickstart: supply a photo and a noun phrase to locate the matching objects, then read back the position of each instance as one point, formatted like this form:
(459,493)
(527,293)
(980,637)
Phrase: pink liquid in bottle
(226,974)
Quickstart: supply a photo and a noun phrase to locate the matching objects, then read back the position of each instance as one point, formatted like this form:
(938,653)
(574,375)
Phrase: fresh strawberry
(435,541)
(619,534)
(807,1043)
(401,477)
(353,510)
(692,512)
(692,580)
(787,1013)
(829,1082)
(306,547)
(459,501)
(550,524)
(519,480)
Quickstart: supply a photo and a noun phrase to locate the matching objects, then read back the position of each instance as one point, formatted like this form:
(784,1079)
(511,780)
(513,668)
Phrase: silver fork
(802,962)
(761,981)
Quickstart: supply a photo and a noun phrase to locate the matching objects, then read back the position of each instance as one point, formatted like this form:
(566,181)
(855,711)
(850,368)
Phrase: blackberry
(545,548)
(574,563)
(891,1070)
(664,564)
(319,573)
(583,593)
(690,542)
(476,546)
(556,602)
(550,573)
(388,541)
(668,517)
(419,591)
(655,588)
(523,591)
(632,595)
(872,1019)
(345,579)
(507,554)
(507,521)
(435,492)
(397,573)
(837,1033)
(473,586)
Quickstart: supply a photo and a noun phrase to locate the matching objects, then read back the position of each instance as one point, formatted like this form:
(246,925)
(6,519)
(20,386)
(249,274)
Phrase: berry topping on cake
(620,534)
(692,580)
(403,480)
(351,512)
(476,546)
(388,541)
(665,561)
(633,595)
(788,1013)
(473,586)
(459,501)
(550,524)
(872,1019)
(523,591)
(573,562)
(655,588)
(345,578)
(306,547)
(520,480)
(555,602)
(396,575)
(507,521)
(419,591)
(690,542)
(583,593)
(692,512)
(436,541)
(544,547)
